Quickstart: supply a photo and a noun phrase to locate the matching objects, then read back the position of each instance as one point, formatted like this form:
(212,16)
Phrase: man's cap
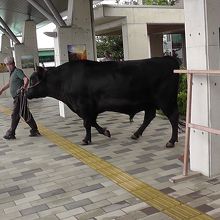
(8,60)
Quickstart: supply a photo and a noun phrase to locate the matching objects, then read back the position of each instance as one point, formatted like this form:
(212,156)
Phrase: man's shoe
(35,134)
(9,137)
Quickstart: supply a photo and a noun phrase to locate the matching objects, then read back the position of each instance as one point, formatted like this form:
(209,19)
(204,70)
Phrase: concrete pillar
(184,50)
(156,45)
(179,3)
(29,36)
(26,54)
(80,32)
(5,45)
(140,2)
(202,22)
(6,50)
(136,41)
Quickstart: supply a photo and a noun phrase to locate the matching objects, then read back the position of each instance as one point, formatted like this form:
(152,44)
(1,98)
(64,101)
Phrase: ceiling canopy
(15,12)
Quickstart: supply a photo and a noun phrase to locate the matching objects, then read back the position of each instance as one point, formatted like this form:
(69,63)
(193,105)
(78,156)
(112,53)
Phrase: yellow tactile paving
(166,204)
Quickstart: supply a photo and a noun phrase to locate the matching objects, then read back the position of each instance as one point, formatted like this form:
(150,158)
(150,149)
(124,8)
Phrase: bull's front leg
(102,130)
(87,140)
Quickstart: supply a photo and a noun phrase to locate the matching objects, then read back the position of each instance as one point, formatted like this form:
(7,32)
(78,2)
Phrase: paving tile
(116,206)
(171,166)
(21,191)
(164,178)
(51,193)
(135,215)
(138,170)
(13,215)
(21,160)
(63,157)
(150,210)
(77,204)
(70,213)
(167,190)
(9,189)
(90,215)
(25,176)
(122,151)
(51,212)
(111,215)
(29,217)
(204,208)
(34,209)
(91,188)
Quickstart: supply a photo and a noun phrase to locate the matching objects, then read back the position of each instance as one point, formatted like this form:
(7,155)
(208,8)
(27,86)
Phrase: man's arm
(26,82)
(6,86)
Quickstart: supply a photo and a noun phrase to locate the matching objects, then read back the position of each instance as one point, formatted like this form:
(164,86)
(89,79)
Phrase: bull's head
(37,88)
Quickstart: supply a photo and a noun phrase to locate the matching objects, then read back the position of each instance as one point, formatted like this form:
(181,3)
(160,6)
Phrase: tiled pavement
(39,180)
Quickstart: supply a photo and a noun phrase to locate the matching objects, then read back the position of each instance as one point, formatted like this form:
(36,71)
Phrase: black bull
(89,88)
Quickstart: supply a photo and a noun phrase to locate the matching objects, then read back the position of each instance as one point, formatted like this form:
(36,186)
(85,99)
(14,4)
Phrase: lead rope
(23,106)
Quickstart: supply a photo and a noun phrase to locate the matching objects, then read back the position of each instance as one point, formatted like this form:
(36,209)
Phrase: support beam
(93,30)
(55,12)
(70,12)
(10,33)
(43,12)
(5,32)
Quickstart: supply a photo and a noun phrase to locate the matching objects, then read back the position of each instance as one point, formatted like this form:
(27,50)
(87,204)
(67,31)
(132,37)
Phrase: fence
(189,124)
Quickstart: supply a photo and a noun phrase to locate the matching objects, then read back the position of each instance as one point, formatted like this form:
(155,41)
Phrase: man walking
(18,83)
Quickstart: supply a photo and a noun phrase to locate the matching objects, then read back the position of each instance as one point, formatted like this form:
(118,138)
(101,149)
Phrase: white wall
(202,22)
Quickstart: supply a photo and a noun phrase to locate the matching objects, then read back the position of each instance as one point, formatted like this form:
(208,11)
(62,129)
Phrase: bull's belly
(123,106)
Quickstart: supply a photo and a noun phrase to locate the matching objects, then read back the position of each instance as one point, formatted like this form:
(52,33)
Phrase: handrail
(189,125)
(198,72)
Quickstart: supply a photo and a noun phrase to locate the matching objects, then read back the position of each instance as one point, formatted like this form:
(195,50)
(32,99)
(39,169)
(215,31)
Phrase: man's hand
(4,88)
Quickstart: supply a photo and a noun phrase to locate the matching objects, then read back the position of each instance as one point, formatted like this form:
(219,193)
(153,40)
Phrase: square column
(136,41)
(202,21)
(6,50)
(156,45)
(80,32)
(26,53)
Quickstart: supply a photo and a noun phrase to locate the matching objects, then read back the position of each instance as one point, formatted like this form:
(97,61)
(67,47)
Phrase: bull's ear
(40,71)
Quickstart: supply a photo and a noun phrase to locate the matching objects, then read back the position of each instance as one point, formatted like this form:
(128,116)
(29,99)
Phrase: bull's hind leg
(148,117)
(174,119)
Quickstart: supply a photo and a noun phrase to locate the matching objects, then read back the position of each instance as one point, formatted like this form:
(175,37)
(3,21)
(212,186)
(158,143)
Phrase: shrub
(182,95)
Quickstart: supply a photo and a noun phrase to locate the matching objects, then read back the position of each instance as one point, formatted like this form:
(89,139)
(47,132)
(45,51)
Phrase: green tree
(112,44)
(159,2)
(182,95)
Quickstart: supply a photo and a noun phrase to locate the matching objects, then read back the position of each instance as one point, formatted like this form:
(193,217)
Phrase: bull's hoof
(86,142)
(107,133)
(170,145)
(134,137)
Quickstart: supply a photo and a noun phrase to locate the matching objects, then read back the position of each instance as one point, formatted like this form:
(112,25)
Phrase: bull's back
(131,79)
(131,86)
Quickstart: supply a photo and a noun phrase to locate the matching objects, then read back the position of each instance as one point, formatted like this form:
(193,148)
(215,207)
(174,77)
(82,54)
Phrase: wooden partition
(189,123)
